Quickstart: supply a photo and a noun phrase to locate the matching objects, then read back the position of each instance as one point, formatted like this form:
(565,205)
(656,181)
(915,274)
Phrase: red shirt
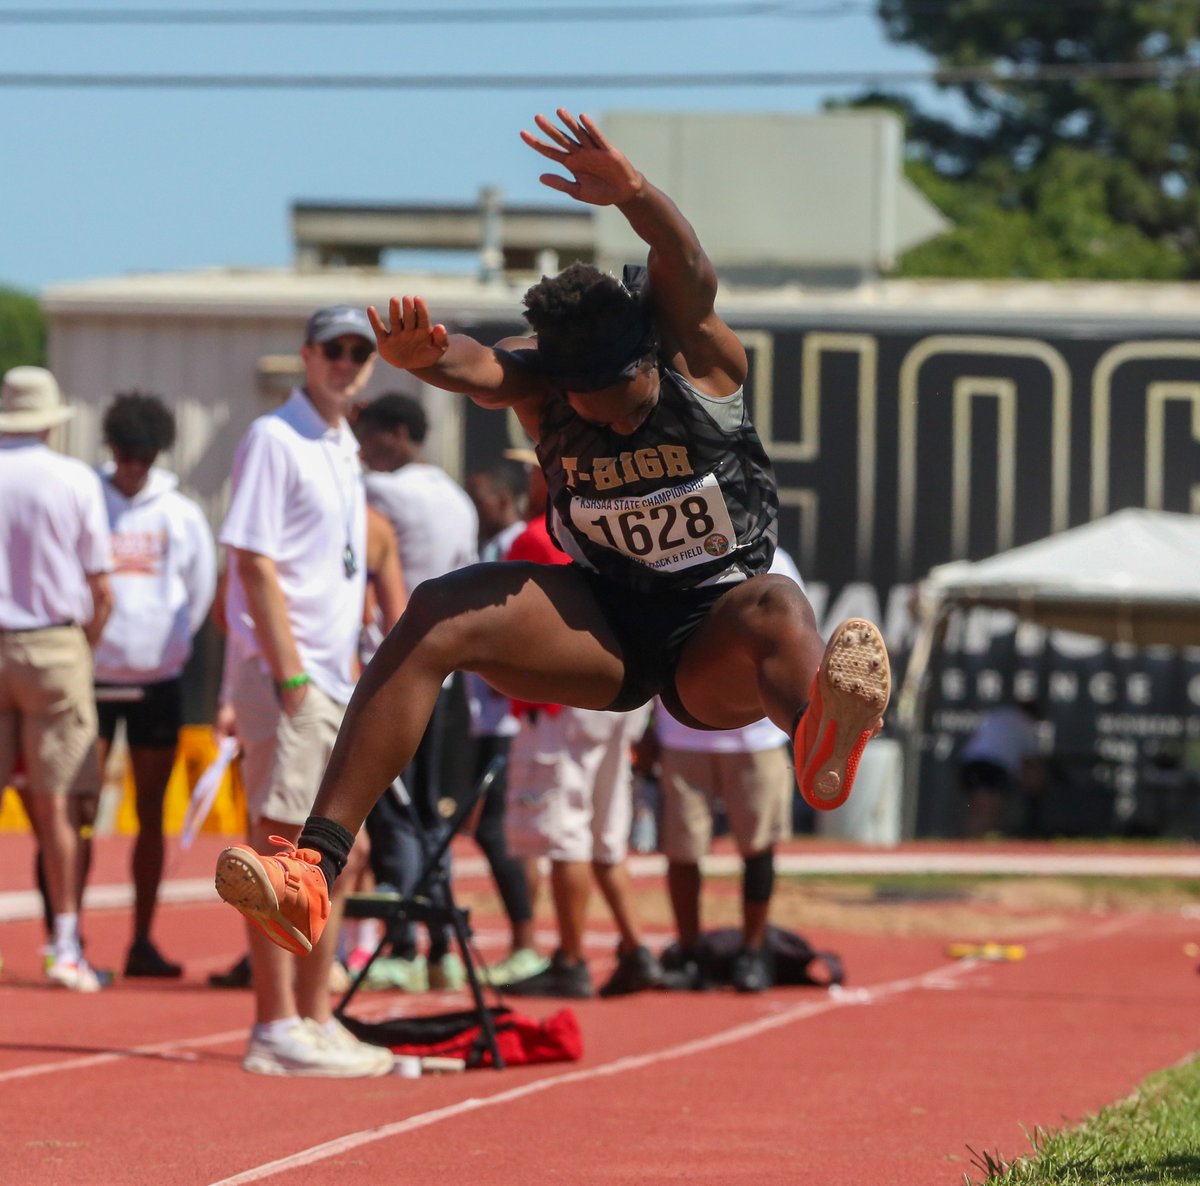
(534,543)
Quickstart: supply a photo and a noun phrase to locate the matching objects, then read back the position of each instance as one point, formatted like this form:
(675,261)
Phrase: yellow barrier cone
(986,951)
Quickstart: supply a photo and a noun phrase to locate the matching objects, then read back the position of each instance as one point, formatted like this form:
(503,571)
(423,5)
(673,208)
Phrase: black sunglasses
(334,351)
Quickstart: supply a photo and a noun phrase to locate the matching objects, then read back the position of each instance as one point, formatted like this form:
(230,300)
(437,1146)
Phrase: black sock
(331,840)
(798,718)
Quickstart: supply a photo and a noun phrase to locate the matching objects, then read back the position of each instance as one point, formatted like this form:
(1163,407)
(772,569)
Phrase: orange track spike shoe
(285,894)
(845,710)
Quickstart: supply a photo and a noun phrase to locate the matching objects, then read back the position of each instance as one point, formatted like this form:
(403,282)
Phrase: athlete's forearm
(102,605)
(676,255)
(268,609)
(489,376)
(465,367)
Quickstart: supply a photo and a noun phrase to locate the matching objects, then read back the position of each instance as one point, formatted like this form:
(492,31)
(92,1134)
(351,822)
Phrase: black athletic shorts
(651,629)
(153,713)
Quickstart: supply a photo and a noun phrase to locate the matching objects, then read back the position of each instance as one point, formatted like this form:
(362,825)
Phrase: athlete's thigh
(718,673)
(535,632)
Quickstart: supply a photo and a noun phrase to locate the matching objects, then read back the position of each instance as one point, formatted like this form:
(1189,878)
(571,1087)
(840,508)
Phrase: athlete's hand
(602,175)
(410,342)
(225,724)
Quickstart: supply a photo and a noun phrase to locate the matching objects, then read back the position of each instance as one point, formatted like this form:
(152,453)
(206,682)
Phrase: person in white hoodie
(163,583)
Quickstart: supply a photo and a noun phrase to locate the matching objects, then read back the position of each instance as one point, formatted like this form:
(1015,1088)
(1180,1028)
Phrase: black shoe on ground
(637,970)
(144,959)
(684,970)
(239,976)
(753,970)
(560,979)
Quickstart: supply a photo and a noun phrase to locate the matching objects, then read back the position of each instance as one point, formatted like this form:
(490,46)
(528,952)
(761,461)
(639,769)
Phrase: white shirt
(53,531)
(297,499)
(1007,736)
(164,576)
(760,735)
(437,527)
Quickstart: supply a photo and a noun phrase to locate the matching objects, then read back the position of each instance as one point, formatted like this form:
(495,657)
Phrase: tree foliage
(1091,176)
(22,330)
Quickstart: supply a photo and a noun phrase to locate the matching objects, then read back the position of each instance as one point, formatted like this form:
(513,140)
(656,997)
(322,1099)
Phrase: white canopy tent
(1133,577)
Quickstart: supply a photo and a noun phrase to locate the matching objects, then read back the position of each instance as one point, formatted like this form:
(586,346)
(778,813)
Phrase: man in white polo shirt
(437,531)
(296,532)
(54,600)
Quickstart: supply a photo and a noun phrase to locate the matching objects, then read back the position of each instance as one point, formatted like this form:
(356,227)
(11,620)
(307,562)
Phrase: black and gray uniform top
(687,500)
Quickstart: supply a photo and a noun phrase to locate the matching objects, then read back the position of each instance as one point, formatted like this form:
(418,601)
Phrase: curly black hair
(579,307)
(138,423)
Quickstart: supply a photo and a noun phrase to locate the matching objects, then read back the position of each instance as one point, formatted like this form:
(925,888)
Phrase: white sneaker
(342,1038)
(77,975)
(303,1049)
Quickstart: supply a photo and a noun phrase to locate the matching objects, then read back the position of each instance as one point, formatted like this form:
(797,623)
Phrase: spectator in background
(570,798)
(500,494)
(384,603)
(1000,771)
(55,598)
(748,771)
(437,531)
(386,594)
(297,538)
(163,581)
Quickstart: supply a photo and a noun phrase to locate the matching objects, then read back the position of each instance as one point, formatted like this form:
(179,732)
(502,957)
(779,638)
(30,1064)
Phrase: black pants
(507,872)
(403,835)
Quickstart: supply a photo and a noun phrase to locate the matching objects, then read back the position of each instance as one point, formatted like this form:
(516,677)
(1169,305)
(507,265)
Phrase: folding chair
(431,902)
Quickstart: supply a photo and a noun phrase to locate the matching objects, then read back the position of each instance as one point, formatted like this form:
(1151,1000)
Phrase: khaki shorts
(47,713)
(570,785)
(283,758)
(756,788)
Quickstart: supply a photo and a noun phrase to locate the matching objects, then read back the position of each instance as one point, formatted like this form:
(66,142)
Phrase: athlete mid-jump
(661,494)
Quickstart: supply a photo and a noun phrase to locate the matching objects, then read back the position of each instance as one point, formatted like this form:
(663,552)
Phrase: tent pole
(933,618)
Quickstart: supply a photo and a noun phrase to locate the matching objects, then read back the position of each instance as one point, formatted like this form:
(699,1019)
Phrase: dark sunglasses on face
(334,351)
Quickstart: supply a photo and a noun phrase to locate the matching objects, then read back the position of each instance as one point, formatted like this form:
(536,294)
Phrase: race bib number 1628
(669,530)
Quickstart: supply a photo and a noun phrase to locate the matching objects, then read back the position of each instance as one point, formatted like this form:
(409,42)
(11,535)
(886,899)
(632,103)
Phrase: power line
(425,15)
(513,14)
(1165,71)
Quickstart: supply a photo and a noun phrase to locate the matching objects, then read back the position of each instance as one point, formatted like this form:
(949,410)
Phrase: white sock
(274,1029)
(66,937)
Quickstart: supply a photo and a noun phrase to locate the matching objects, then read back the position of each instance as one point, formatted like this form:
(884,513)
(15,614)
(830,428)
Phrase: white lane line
(21,905)
(937,979)
(18,905)
(163,1050)
(620,1066)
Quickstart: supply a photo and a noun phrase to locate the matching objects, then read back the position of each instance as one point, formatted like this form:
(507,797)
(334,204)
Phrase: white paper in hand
(205,792)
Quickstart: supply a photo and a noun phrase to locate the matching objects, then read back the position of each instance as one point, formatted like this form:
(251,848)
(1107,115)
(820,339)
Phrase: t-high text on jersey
(657,461)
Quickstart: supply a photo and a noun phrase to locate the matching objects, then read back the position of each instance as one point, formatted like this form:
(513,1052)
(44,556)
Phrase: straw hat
(30,401)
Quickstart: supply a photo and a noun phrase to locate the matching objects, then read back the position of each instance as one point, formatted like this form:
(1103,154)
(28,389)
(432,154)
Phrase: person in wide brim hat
(30,401)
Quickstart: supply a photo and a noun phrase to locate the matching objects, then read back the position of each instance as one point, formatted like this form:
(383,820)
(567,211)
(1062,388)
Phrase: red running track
(886,1083)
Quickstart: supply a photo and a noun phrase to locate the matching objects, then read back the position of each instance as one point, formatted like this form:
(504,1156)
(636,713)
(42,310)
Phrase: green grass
(1151,1137)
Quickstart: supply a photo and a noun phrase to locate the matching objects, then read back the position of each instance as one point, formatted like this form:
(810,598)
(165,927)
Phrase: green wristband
(297,681)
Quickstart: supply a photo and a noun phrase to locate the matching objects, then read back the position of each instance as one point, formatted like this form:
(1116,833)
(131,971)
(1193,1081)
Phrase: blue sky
(102,182)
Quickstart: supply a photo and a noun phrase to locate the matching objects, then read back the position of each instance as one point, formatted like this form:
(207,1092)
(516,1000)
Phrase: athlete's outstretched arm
(410,341)
(682,277)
